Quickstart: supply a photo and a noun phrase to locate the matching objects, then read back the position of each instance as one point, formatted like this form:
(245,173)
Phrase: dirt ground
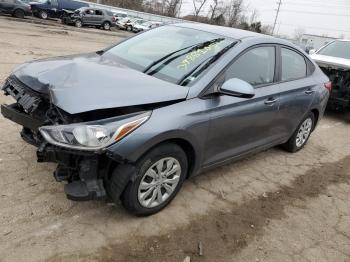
(273,206)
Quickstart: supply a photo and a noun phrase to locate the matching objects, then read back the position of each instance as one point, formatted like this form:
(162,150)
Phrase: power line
(315,13)
(315,27)
(278,10)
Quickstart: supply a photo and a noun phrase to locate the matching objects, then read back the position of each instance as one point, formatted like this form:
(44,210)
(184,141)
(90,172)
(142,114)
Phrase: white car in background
(146,26)
(334,60)
(129,26)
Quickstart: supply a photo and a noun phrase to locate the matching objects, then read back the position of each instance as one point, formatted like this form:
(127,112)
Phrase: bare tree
(234,12)
(298,33)
(253,16)
(198,5)
(171,7)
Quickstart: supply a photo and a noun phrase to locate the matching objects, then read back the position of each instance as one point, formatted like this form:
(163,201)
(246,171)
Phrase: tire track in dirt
(226,232)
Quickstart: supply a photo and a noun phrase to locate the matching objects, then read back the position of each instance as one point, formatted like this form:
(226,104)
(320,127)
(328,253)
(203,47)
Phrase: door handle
(309,91)
(270,101)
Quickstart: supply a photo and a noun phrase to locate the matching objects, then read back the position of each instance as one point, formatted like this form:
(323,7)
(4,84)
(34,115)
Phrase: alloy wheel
(303,132)
(106,26)
(159,182)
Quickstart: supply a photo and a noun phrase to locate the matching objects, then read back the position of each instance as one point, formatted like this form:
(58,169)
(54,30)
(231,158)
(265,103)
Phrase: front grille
(19,91)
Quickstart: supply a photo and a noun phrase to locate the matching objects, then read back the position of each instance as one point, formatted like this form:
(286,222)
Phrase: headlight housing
(93,135)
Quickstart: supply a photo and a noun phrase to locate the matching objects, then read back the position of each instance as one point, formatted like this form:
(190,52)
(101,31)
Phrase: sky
(320,17)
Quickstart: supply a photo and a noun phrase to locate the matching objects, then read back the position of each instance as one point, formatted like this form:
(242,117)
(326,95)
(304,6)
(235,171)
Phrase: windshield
(169,52)
(339,49)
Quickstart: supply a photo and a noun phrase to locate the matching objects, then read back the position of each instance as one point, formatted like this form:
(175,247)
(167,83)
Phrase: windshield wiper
(192,47)
(203,65)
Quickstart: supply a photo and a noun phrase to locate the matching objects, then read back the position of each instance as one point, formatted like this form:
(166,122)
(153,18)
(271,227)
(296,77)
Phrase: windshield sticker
(194,55)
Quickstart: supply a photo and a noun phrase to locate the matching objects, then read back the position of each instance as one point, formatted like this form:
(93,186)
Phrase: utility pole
(278,10)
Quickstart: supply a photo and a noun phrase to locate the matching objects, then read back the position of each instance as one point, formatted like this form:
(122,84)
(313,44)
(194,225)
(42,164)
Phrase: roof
(222,30)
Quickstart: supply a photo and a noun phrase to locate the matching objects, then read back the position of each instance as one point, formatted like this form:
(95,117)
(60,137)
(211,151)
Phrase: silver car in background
(334,60)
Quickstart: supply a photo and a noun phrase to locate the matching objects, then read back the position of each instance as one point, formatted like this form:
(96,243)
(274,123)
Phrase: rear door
(239,125)
(297,88)
(7,5)
(98,17)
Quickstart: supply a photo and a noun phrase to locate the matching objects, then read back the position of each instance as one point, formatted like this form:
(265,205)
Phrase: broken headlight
(93,135)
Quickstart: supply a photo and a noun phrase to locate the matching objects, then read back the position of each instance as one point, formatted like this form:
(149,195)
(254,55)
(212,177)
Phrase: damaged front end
(340,95)
(77,143)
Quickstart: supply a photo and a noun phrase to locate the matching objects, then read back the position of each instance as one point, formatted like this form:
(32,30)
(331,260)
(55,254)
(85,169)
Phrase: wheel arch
(18,9)
(183,139)
(316,113)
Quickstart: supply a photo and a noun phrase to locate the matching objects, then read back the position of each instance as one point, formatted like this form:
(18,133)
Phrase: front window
(169,53)
(256,66)
(339,49)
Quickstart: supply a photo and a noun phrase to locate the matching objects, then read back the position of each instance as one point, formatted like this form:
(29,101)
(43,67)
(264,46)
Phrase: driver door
(240,125)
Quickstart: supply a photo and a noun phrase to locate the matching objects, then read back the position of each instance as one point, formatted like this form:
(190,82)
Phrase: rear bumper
(339,101)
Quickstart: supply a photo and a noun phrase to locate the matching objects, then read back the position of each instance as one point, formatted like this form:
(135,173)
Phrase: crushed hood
(337,62)
(84,83)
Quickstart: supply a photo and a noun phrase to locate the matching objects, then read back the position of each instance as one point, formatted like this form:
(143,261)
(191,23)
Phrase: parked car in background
(135,120)
(145,26)
(119,15)
(334,60)
(130,24)
(54,8)
(16,8)
(87,16)
(121,23)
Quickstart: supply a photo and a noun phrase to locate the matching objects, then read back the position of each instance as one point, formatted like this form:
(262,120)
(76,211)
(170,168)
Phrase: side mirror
(312,51)
(237,87)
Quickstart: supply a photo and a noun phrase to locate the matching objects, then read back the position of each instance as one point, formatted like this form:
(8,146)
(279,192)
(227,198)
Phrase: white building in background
(309,41)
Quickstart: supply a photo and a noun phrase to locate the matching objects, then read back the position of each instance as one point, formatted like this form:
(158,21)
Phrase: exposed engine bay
(340,95)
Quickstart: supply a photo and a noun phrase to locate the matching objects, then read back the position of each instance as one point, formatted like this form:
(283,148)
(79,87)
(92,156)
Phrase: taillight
(328,85)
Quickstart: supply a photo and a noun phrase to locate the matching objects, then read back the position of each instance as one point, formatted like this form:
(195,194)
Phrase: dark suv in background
(15,8)
(54,8)
(98,17)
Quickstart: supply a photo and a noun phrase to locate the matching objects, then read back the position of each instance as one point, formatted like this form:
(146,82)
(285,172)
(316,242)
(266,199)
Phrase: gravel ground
(273,206)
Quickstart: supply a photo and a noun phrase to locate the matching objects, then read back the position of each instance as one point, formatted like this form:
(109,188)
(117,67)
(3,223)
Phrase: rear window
(293,65)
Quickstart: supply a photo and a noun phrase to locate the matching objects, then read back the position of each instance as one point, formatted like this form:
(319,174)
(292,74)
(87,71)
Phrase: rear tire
(43,15)
(129,28)
(158,177)
(106,26)
(18,13)
(301,134)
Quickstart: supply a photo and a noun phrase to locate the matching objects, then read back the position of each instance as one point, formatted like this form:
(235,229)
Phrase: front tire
(43,15)
(159,176)
(129,28)
(18,13)
(78,23)
(301,134)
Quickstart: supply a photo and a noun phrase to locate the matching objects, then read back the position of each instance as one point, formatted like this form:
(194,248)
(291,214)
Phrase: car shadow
(344,116)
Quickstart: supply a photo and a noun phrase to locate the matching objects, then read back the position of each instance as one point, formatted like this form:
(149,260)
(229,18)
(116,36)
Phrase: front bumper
(15,114)
(84,171)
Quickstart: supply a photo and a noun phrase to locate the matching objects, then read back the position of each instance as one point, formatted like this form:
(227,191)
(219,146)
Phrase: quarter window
(256,66)
(293,65)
